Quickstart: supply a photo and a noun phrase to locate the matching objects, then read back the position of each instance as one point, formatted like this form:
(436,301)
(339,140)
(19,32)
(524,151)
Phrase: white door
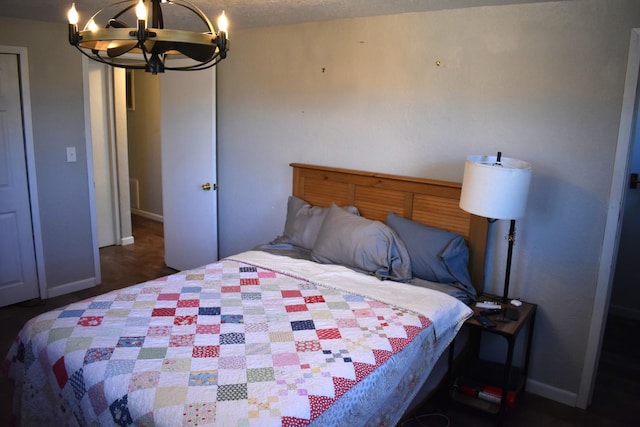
(18,273)
(188,140)
(103,152)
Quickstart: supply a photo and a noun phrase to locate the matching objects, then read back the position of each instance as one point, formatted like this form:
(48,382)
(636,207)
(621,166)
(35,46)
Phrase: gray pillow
(303,222)
(436,255)
(361,244)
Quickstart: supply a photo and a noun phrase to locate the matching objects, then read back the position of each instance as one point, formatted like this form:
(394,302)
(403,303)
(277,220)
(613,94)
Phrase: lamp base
(511,237)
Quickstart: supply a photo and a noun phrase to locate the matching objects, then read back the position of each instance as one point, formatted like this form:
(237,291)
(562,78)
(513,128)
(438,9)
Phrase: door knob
(206,186)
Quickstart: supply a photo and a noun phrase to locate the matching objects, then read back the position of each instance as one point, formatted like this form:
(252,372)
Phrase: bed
(321,327)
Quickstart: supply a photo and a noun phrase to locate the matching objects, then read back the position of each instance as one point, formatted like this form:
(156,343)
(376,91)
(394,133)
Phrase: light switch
(71,154)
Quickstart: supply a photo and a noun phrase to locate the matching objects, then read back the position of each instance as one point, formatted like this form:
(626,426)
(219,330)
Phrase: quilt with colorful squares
(230,344)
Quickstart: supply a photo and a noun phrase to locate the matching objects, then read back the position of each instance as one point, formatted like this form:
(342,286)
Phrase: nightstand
(506,376)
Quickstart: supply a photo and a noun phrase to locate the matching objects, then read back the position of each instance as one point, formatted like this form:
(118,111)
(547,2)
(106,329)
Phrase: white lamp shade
(494,191)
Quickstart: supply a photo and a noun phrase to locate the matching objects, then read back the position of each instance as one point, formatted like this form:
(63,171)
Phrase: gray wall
(57,107)
(540,82)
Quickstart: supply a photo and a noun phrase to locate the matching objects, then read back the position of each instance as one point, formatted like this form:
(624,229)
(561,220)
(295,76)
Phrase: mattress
(255,339)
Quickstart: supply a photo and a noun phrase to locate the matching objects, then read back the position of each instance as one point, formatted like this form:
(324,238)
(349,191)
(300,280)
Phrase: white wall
(540,82)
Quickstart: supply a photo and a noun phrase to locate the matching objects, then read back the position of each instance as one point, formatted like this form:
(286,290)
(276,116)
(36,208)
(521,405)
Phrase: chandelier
(148,45)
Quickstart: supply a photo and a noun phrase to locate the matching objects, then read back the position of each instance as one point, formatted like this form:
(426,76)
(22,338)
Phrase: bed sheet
(253,340)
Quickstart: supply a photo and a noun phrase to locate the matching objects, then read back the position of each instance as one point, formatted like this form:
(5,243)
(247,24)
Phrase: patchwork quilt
(234,343)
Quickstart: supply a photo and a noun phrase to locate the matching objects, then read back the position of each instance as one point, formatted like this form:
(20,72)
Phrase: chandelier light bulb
(141,11)
(223,23)
(92,26)
(72,15)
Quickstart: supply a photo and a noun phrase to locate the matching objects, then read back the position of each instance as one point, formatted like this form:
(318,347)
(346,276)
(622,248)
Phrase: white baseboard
(149,215)
(71,287)
(629,313)
(552,393)
(127,241)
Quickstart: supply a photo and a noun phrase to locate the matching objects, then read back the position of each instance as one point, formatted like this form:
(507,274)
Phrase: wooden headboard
(431,202)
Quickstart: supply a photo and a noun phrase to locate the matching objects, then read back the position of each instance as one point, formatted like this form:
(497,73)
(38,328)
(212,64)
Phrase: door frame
(86,89)
(30,158)
(116,99)
(121,178)
(613,226)
(105,123)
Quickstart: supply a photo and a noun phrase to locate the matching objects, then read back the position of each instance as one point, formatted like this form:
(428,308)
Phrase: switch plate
(71,154)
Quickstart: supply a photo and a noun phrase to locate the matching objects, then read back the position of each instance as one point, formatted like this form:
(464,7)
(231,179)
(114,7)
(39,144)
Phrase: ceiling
(255,13)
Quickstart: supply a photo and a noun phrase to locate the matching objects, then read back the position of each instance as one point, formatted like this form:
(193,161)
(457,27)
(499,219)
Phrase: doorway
(618,377)
(625,293)
(139,151)
(188,164)
(144,150)
(105,129)
(613,227)
(125,146)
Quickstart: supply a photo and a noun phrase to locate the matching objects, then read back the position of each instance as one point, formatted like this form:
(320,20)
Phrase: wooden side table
(510,331)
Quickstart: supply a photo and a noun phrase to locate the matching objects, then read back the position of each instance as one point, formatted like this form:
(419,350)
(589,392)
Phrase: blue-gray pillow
(361,244)
(303,223)
(436,255)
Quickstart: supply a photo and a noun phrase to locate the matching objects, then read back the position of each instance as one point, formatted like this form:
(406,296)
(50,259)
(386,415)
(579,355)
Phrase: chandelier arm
(144,55)
(143,48)
(200,66)
(197,67)
(150,64)
(96,57)
(223,44)
(109,6)
(194,67)
(157,19)
(122,12)
(207,66)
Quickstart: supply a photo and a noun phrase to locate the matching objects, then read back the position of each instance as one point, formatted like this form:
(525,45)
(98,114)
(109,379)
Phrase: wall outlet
(71,154)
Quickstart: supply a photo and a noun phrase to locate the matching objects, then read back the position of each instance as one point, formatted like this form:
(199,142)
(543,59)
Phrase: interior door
(18,272)
(188,141)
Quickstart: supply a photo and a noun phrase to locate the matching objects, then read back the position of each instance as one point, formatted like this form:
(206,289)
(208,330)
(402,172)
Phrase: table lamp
(496,187)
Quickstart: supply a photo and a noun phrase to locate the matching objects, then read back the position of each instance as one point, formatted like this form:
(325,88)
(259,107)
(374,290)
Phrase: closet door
(18,272)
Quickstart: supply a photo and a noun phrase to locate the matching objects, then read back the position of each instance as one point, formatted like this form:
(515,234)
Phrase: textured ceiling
(255,13)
